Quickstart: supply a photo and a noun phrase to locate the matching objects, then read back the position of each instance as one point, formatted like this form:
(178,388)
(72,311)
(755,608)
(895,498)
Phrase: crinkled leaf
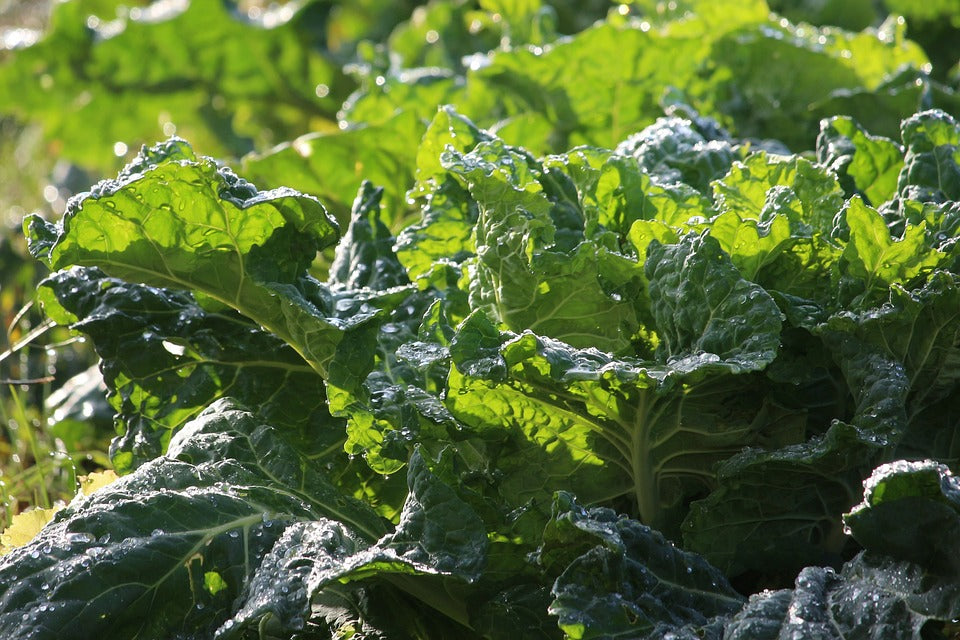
(752,244)
(931,166)
(866,164)
(448,216)
(172,219)
(705,311)
(608,426)
(870,598)
(878,260)
(917,331)
(910,510)
(746,188)
(675,150)
(777,511)
(525,275)
(625,579)
(365,256)
(164,359)
(170,546)
(437,535)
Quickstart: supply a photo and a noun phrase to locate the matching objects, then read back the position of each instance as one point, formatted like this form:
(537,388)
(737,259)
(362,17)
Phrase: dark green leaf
(870,598)
(910,510)
(625,578)
(165,358)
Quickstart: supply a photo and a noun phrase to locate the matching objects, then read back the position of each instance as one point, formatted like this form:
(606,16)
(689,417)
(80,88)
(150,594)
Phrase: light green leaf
(870,163)
(332,165)
(172,219)
(879,260)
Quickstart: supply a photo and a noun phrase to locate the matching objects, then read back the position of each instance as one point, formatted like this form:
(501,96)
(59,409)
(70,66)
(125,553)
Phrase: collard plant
(577,396)
(566,370)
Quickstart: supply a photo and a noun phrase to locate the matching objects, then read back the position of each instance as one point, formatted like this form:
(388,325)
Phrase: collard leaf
(175,220)
(171,545)
(231,526)
(910,510)
(438,535)
(752,244)
(626,579)
(365,256)
(930,167)
(866,164)
(775,78)
(878,260)
(675,150)
(530,271)
(871,597)
(745,190)
(778,511)
(915,329)
(705,312)
(610,426)
(164,359)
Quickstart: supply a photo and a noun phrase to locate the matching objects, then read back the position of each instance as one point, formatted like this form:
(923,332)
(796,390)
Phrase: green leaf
(879,260)
(226,83)
(438,535)
(746,191)
(448,216)
(625,579)
(910,510)
(777,80)
(172,219)
(752,244)
(778,511)
(164,359)
(915,329)
(866,164)
(704,310)
(870,597)
(442,35)
(232,529)
(332,165)
(608,428)
(526,275)
(365,257)
(133,558)
(677,149)
(931,166)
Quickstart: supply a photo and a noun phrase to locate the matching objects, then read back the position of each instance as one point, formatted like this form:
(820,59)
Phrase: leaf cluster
(591,353)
